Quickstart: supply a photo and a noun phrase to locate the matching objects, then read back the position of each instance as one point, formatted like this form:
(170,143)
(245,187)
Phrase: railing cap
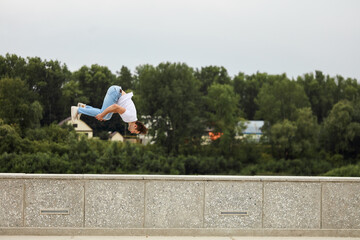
(177,177)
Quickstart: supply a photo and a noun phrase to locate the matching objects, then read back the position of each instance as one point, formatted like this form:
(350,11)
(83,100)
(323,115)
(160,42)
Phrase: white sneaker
(80,105)
(74,113)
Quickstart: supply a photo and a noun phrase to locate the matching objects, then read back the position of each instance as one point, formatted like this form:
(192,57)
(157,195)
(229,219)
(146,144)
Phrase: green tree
(351,90)
(280,100)
(341,130)
(282,138)
(94,82)
(46,78)
(10,140)
(17,105)
(169,94)
(210,75)
(12,66)
(321,91)
(307,134)
(295,139)
(223,113)
(125,79)
(248,87)
(71,95)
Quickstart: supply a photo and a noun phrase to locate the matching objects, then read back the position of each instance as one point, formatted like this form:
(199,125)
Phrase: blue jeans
(112,96)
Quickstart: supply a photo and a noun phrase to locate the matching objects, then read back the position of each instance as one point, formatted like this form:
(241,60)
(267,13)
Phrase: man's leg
(89,110)
(111,97)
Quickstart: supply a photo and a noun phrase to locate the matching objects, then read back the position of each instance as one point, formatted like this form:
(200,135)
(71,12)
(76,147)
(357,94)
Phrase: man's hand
(100,117)
(113,108)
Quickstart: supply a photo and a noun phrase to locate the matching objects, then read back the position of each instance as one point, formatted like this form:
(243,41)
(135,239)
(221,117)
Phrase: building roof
(253,127)
(64,121)
(82,127)
(113,134)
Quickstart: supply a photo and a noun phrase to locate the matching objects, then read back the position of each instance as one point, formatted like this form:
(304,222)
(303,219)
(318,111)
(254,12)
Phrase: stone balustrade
(49,204)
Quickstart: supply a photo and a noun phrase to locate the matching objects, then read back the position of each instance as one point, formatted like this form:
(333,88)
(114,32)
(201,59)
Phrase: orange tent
(214,136)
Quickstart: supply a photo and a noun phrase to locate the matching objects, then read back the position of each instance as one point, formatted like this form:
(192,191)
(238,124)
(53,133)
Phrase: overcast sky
(273,36)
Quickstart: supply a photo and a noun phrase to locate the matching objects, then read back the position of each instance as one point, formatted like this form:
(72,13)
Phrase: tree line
(312,123)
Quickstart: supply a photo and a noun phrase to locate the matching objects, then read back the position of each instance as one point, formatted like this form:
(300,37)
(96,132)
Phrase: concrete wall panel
(341,206)
(292,205)
(11,203)
(54,195)
(114,204)
(225,200)
(189,205)
(174,204)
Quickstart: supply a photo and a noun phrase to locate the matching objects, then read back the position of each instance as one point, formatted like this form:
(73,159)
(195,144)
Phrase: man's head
(137,127)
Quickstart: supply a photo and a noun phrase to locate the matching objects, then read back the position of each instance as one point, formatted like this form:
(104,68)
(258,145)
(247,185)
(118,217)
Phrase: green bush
(345,171)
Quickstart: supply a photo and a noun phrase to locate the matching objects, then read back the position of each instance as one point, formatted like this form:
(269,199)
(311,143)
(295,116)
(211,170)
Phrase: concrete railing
(42,204)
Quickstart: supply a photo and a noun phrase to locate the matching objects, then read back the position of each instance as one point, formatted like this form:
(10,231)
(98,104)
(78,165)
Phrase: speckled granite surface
(147,204)
(234,197)
(114,204)
(292,205)
(341,205)
(55,195)
(11,203)
(174,204)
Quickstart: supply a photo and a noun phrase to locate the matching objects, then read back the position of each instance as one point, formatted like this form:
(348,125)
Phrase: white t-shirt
(130,111)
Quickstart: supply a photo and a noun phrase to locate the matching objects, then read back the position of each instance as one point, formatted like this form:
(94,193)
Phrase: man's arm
(113,108)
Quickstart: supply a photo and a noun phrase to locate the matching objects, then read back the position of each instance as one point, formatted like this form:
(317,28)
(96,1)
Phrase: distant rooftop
(253,127)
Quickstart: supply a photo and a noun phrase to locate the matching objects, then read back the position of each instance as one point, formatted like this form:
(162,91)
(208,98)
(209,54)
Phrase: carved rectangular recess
(240,213)
(54,211)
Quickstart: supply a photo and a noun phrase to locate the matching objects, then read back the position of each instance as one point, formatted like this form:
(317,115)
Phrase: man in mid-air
(116,101)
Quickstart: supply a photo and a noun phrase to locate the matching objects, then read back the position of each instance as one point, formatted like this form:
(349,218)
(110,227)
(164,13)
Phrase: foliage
(312,124)
(248,87)
(345,171)
(341,130)
(17,104)
(222,114)
(168,93)
(279,100)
